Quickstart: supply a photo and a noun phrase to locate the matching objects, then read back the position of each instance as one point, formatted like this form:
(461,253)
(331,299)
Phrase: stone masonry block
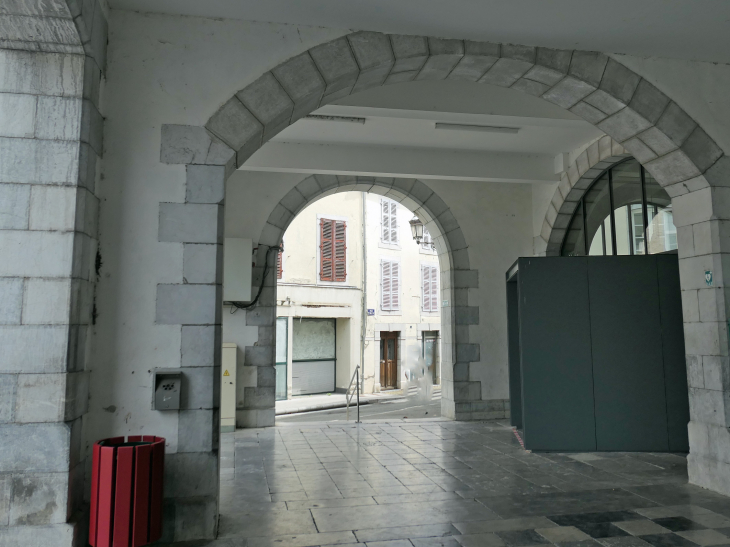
(337,66)
(719,173)
(55,162)
(17,115)
(521,53)
(8,387)
(256,417)
(472,67)
(445,54)
(195,431)
(39,498)
(467,391)
(410,52)
(200,346)
(466,315)
(604,102)
(588,66)
(530,87)
(259,398)
(33,349)
(624,124)
(293,201)
(92,127)
(40,398)
(62,73)
(58,118)
(186,305)
(466,279)
(11,300)
(205,183)
(456,239)
(29,448)
(191,144)
(202,263)
(200,386)
(555,59)
(302,82)
(420,192)
(505,72)
(544,75)
(267,100)
(639,150)
(196,518)
(53,208)
(467,353)
(191,474)
(261,316)
(374,55)
(619,82)
(14,203)
(676,124)
(674,167)
(259,356)
(568,92)
(266,376)
(234,124)
(47,302)
(648,101)
(190,223)
(701,150)
(309,188)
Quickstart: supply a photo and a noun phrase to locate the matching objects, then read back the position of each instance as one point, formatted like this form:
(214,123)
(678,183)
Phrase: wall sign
(708,278)
(445,304)
(371,311)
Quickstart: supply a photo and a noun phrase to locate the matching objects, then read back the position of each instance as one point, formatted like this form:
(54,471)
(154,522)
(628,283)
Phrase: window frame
(399,310)
(581,206)
(318,266)
(435,266)
(381,241)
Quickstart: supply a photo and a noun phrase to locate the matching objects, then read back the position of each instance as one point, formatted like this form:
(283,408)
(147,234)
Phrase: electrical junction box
(228,387)
(237,265)
(168,385)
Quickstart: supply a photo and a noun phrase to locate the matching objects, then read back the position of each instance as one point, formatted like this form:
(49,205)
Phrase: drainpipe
(364,319)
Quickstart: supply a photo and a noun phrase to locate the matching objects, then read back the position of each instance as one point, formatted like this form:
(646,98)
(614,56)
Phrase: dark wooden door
(388,360)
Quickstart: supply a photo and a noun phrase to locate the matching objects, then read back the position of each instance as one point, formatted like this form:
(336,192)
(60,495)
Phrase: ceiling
(399,137)
(682,29)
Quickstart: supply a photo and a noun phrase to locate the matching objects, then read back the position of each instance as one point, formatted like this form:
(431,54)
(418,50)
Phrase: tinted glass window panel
(574,242)
(627,199)
(662,234)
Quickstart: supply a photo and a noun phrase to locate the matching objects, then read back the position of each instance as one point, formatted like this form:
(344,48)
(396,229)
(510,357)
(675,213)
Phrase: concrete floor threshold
(439,483)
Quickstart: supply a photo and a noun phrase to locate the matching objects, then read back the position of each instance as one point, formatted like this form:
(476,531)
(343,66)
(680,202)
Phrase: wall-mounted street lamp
(416,229)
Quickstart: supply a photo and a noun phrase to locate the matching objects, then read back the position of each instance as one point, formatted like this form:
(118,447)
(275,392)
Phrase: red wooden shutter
(340,254)
(434,289)
(385,285)
(326,255)
(394,286)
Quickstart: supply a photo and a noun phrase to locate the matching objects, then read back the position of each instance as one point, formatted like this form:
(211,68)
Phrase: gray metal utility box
(168,386)
(596,353)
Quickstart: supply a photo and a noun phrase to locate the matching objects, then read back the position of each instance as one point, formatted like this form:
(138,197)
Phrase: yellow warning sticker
(226,373)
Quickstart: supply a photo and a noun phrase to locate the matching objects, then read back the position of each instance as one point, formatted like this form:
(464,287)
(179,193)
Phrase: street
(395,410)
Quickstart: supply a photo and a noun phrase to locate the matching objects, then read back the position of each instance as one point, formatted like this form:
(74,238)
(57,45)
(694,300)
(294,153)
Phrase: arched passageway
(639,118)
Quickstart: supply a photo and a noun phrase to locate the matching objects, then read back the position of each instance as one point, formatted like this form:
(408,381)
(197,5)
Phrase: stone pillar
(702,218)
(50,140)
(191,474)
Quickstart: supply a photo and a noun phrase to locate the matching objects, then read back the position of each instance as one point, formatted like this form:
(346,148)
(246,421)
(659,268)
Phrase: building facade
(335,249)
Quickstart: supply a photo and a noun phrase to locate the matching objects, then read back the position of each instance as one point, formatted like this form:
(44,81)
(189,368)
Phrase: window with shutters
(389,285)
(426,243)
(280,263)
(332,250)
(429,288)
(388,222)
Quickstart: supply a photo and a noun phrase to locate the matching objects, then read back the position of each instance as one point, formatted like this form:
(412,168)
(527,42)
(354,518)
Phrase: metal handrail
(348,395)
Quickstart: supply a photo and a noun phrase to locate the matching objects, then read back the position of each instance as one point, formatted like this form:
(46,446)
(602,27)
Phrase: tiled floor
(451,484)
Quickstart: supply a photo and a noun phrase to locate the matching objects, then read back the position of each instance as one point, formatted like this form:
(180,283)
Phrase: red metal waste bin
(126,491)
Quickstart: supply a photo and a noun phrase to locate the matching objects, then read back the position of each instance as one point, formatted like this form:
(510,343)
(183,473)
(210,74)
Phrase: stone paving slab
(436,483)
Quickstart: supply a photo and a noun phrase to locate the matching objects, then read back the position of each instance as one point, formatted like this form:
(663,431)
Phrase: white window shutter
(394,286)
(425,288)
(385,220)
(434,288)
(393,222)
(385,301)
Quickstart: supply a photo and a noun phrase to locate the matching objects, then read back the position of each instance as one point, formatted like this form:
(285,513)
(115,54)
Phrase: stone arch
(640,118)
(600,155)
(460,396)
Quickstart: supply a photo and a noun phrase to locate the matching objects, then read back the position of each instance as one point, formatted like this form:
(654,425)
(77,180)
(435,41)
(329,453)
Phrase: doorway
(389,360)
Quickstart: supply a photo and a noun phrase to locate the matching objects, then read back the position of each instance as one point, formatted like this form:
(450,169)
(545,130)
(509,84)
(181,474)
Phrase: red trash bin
(126,491)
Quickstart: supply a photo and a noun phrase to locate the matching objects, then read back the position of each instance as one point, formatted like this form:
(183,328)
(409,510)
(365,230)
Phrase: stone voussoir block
(337,66)
(234,124)
(269,103)
(374,56)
